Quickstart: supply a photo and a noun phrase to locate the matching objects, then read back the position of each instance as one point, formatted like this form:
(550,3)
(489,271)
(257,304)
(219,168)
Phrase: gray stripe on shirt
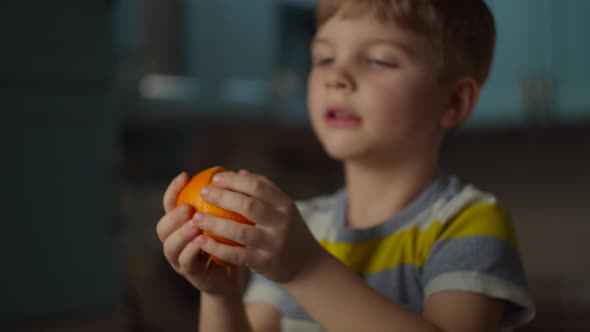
(484,254)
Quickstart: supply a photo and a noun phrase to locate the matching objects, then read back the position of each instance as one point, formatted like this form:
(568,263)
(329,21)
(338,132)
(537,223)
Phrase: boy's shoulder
(448,199)
(462,206)
(465,211)
(458,197)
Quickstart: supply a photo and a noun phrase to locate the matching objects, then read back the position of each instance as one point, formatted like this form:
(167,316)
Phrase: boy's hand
(177,231)
(279,246)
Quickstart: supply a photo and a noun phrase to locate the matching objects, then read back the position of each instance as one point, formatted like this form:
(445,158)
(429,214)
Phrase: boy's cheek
(386,102)
(314,93)
(315,104)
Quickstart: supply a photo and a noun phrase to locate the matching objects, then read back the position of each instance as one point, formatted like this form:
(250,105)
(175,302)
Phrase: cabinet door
(540,73)
(230,47)
(67,39)
(59,253)
(572,55)
(500,101)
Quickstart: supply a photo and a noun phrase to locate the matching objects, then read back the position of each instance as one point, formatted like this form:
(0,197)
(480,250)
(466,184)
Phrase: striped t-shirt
(451,237)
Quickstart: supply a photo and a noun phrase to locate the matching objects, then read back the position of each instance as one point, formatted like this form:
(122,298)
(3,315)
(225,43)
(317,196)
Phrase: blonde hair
(462,32)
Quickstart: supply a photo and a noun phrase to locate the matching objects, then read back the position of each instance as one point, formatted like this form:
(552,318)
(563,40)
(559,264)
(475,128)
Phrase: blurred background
(103,102)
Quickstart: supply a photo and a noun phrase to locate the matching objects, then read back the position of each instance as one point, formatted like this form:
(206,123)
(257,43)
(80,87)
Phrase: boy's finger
(189,257)
(261,177)
(171,221)
(242,256)
(254,209)
(174,188)
(251,185)
(176,242)
(246,235)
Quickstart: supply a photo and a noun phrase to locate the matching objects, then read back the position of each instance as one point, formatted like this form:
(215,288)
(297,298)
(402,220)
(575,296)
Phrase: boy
(403,247)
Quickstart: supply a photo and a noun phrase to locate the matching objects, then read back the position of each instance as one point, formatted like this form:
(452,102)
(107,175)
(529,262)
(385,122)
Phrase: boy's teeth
(342,114)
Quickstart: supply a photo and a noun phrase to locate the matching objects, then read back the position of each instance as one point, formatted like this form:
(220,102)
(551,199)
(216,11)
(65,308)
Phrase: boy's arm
(263,317)
(463,311)
(222,313)
(340,301)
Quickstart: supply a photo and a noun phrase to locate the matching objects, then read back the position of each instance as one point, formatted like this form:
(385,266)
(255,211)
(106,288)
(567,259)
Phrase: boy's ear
(464,94)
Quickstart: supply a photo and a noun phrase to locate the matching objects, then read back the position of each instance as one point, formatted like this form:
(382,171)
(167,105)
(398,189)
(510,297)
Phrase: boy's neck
(377,192)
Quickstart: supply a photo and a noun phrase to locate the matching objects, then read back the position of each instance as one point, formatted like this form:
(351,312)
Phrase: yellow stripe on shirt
(412,245)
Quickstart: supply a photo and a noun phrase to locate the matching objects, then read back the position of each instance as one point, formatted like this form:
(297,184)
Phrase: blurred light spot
(245,92)
(157,86)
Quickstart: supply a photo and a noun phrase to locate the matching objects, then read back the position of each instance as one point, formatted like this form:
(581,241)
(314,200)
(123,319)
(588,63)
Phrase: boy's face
(373,92)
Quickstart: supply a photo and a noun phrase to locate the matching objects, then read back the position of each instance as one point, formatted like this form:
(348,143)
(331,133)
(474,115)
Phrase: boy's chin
(343,153)
(348,154)
(339,156)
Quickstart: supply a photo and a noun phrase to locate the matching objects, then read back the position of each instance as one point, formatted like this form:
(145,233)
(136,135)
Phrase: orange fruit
(191,195)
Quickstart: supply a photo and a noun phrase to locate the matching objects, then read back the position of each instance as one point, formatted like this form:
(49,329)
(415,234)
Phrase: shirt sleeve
(476,251)
(260,289)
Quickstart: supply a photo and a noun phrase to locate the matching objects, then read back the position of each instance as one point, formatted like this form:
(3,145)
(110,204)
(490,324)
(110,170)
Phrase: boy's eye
(381,63)
(323,61)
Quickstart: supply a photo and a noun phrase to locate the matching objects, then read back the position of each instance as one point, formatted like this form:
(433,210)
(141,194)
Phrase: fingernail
(217,178)
(205,191)
(190,227)
(179,177)
(199,216)
(201,239)
(184,208)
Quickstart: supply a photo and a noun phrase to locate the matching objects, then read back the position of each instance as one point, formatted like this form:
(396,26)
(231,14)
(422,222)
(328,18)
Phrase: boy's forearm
(339,300)
(222,313)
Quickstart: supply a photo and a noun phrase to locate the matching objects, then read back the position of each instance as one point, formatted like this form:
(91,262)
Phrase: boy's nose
(340,79)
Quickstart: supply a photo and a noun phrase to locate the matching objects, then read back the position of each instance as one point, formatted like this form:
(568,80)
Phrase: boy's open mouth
(342,117)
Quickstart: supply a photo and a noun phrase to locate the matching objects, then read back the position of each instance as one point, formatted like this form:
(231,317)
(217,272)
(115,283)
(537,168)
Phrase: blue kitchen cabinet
(540,74)
(229,48)
(59,252)
(571,69)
